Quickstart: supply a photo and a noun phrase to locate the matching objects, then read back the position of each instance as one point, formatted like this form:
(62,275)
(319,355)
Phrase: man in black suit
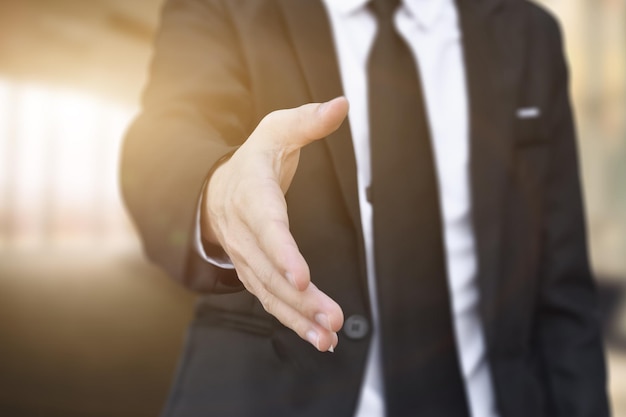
(224,134)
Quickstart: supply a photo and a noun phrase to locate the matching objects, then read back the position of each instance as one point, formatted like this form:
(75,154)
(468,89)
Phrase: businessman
(425,256)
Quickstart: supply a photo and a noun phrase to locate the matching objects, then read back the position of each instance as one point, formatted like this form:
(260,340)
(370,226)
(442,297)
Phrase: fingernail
(324,106)
(323,320)
(313,338)
(331,349)
(290,278)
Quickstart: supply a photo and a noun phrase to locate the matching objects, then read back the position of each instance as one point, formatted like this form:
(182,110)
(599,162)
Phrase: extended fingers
(311,302)
(295,309)
(269,224)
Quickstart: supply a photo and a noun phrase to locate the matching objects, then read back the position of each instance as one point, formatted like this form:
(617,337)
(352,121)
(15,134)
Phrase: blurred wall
(87,327)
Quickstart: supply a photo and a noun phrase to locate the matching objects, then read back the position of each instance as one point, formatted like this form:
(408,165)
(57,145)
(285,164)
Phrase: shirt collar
(425,12)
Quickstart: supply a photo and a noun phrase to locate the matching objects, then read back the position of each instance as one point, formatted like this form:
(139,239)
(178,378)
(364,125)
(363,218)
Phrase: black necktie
(420,364)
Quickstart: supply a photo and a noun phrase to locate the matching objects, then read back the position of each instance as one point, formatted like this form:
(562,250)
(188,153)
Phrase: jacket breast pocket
(532,154)
(529,132)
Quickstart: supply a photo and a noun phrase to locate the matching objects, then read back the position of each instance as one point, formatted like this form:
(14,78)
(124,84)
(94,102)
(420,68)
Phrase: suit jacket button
(356,327)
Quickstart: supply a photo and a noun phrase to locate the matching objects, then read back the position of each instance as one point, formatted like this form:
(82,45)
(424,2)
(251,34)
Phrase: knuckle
(271,282)
(232,247)
(240,196)
(271,119)
(247,283)
(299,301)
(300,305)
(264,276)
(267,301)
(229,248)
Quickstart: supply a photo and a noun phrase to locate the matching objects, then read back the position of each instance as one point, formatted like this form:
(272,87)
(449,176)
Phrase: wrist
(207,215)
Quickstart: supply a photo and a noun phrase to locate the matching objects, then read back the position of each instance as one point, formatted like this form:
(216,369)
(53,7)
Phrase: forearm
(196,109)
(162,190)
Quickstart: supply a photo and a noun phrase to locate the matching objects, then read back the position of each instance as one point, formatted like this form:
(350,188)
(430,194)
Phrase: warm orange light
(58,166)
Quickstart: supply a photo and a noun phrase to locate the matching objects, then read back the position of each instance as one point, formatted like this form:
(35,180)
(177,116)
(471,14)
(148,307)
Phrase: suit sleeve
(196,109)
(569,333)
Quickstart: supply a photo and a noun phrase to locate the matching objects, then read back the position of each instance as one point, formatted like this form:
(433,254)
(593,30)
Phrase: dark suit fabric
(221,65)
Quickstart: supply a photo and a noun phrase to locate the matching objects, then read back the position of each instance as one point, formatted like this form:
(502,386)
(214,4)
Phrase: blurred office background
(87,327)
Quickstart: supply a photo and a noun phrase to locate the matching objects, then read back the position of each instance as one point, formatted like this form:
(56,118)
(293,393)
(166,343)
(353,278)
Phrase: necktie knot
(384,9)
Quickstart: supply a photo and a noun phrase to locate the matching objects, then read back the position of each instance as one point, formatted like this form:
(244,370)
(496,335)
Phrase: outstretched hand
(244,211)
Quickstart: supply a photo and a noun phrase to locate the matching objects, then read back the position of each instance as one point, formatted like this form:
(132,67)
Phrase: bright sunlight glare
(59,152)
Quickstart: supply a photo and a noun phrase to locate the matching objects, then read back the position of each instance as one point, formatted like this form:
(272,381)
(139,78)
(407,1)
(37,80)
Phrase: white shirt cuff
(217,257)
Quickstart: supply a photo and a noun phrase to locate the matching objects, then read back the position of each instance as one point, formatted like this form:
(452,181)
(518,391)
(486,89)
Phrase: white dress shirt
(432,31)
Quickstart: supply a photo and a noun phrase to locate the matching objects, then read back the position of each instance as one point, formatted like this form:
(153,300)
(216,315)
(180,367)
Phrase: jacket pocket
(529,133)
(233,320)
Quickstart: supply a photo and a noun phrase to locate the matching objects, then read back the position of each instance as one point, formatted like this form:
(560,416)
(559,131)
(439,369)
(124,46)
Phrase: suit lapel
(493,42)
(308,24)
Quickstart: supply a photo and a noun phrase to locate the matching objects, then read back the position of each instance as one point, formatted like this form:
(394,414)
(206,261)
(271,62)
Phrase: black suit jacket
(221,65)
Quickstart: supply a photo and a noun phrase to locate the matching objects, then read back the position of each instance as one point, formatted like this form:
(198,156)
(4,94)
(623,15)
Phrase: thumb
(291,129)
